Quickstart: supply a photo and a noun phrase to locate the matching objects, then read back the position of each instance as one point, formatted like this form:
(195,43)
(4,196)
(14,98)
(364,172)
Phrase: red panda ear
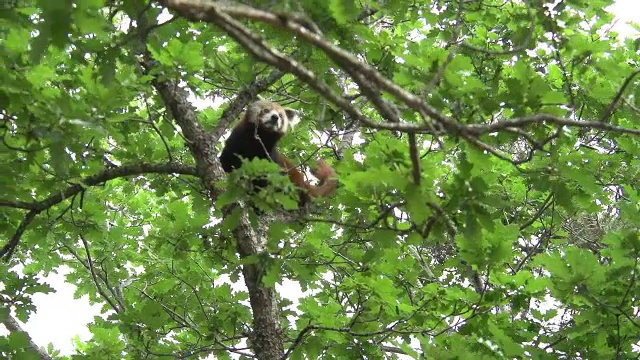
(293,116)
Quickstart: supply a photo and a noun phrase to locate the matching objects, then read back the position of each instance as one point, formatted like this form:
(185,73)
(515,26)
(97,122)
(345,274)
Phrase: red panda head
(272,116)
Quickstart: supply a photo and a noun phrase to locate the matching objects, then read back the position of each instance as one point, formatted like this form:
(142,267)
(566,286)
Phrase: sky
(60,317)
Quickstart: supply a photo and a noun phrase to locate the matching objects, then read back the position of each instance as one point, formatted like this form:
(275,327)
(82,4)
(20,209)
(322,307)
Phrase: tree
(487,151)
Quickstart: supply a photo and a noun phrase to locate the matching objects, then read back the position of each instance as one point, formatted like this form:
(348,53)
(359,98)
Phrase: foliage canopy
(488,158)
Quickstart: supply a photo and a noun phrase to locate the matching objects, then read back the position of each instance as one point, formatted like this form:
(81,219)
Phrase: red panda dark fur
(257,134)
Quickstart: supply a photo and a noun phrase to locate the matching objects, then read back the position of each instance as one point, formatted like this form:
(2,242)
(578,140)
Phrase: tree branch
(267,338)
(104,176)
(224,15)
(94,276)
(13,326)
(199,10)
(37,207)
(520,122)
(616,100)
(415,159)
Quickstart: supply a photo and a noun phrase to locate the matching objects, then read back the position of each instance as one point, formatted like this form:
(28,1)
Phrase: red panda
(257,134)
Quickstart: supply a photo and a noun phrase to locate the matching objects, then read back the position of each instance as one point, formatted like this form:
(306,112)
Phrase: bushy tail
(325,173)
(328,180)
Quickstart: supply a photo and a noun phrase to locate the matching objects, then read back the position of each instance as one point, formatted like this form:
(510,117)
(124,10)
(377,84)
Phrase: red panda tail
(325,173)
(328,180)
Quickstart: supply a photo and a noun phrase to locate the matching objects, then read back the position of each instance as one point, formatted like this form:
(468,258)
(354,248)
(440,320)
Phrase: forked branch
(37,207)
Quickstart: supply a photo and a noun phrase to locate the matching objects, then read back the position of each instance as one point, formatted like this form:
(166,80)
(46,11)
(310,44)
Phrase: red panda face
(274,120)
(272,116)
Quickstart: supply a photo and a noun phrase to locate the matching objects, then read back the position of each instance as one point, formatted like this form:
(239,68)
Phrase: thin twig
(616,100)
(92,270)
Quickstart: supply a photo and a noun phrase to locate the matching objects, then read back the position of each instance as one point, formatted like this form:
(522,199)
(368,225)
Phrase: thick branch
(224,14)
(256,46)
(198,140)
(13,326)
(16,204)
(221,12)
(37,207)
(267,341)
(542,118)
(104,176)
(10,247)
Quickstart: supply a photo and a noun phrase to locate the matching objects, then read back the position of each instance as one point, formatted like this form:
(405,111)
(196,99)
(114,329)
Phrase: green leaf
(343,10)
(551,230)
(18,340)
(507,345)
(4,313)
